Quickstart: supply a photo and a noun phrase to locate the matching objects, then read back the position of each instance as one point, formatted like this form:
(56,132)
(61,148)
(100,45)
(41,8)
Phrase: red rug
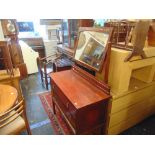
(58,123)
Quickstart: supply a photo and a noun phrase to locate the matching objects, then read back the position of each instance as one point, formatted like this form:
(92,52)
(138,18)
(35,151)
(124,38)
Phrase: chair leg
(26,120)
(41,74)
(27,125)
(46,81)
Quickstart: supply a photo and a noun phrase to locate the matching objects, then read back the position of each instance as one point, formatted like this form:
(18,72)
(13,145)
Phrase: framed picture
(25,26)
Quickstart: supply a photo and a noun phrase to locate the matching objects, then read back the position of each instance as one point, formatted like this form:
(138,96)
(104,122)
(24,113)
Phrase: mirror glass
(91,48)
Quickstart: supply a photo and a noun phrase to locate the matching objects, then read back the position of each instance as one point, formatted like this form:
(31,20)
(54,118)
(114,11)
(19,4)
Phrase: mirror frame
(108,30)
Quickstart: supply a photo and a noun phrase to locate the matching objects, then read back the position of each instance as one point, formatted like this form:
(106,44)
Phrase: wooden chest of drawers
(82,104)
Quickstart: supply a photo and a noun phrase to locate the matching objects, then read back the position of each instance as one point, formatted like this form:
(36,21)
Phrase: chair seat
(15,127)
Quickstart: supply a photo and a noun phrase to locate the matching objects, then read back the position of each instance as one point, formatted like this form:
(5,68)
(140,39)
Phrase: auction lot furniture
(78,95)
(81,99)
(132,89)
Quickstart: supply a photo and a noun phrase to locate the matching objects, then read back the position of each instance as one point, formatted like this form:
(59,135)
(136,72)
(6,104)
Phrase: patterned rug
(58,123)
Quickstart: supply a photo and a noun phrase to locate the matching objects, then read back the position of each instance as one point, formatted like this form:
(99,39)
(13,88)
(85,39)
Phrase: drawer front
(56,90)
(65,110)
(64,105)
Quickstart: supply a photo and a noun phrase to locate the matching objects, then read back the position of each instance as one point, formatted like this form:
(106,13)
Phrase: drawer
(65,110)
(65,105)
(62,97)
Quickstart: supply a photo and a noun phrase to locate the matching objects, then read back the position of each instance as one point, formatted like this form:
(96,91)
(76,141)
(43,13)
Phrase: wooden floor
(40,123)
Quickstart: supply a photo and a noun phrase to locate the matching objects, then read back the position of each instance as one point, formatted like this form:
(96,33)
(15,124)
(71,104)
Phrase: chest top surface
(79,91)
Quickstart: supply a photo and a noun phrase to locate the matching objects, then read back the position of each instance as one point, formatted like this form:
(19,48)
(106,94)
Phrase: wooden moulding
(99,84)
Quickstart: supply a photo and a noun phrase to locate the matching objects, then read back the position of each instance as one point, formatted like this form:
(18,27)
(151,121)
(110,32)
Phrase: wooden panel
(120,72)
(130,99)
(126,124)
(145,74)
(130,109)
(124,115)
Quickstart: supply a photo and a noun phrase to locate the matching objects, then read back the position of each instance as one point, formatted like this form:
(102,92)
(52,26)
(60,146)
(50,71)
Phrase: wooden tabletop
(8,97)
(78,90)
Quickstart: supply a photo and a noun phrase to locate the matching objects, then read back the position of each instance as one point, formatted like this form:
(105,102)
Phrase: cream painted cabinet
(29,56)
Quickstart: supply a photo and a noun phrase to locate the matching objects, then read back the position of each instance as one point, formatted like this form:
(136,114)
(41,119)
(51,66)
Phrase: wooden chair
(14,121)
(45,66)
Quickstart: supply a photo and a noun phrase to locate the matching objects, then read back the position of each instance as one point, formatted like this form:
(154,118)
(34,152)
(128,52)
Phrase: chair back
(18,110)
(13,113)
